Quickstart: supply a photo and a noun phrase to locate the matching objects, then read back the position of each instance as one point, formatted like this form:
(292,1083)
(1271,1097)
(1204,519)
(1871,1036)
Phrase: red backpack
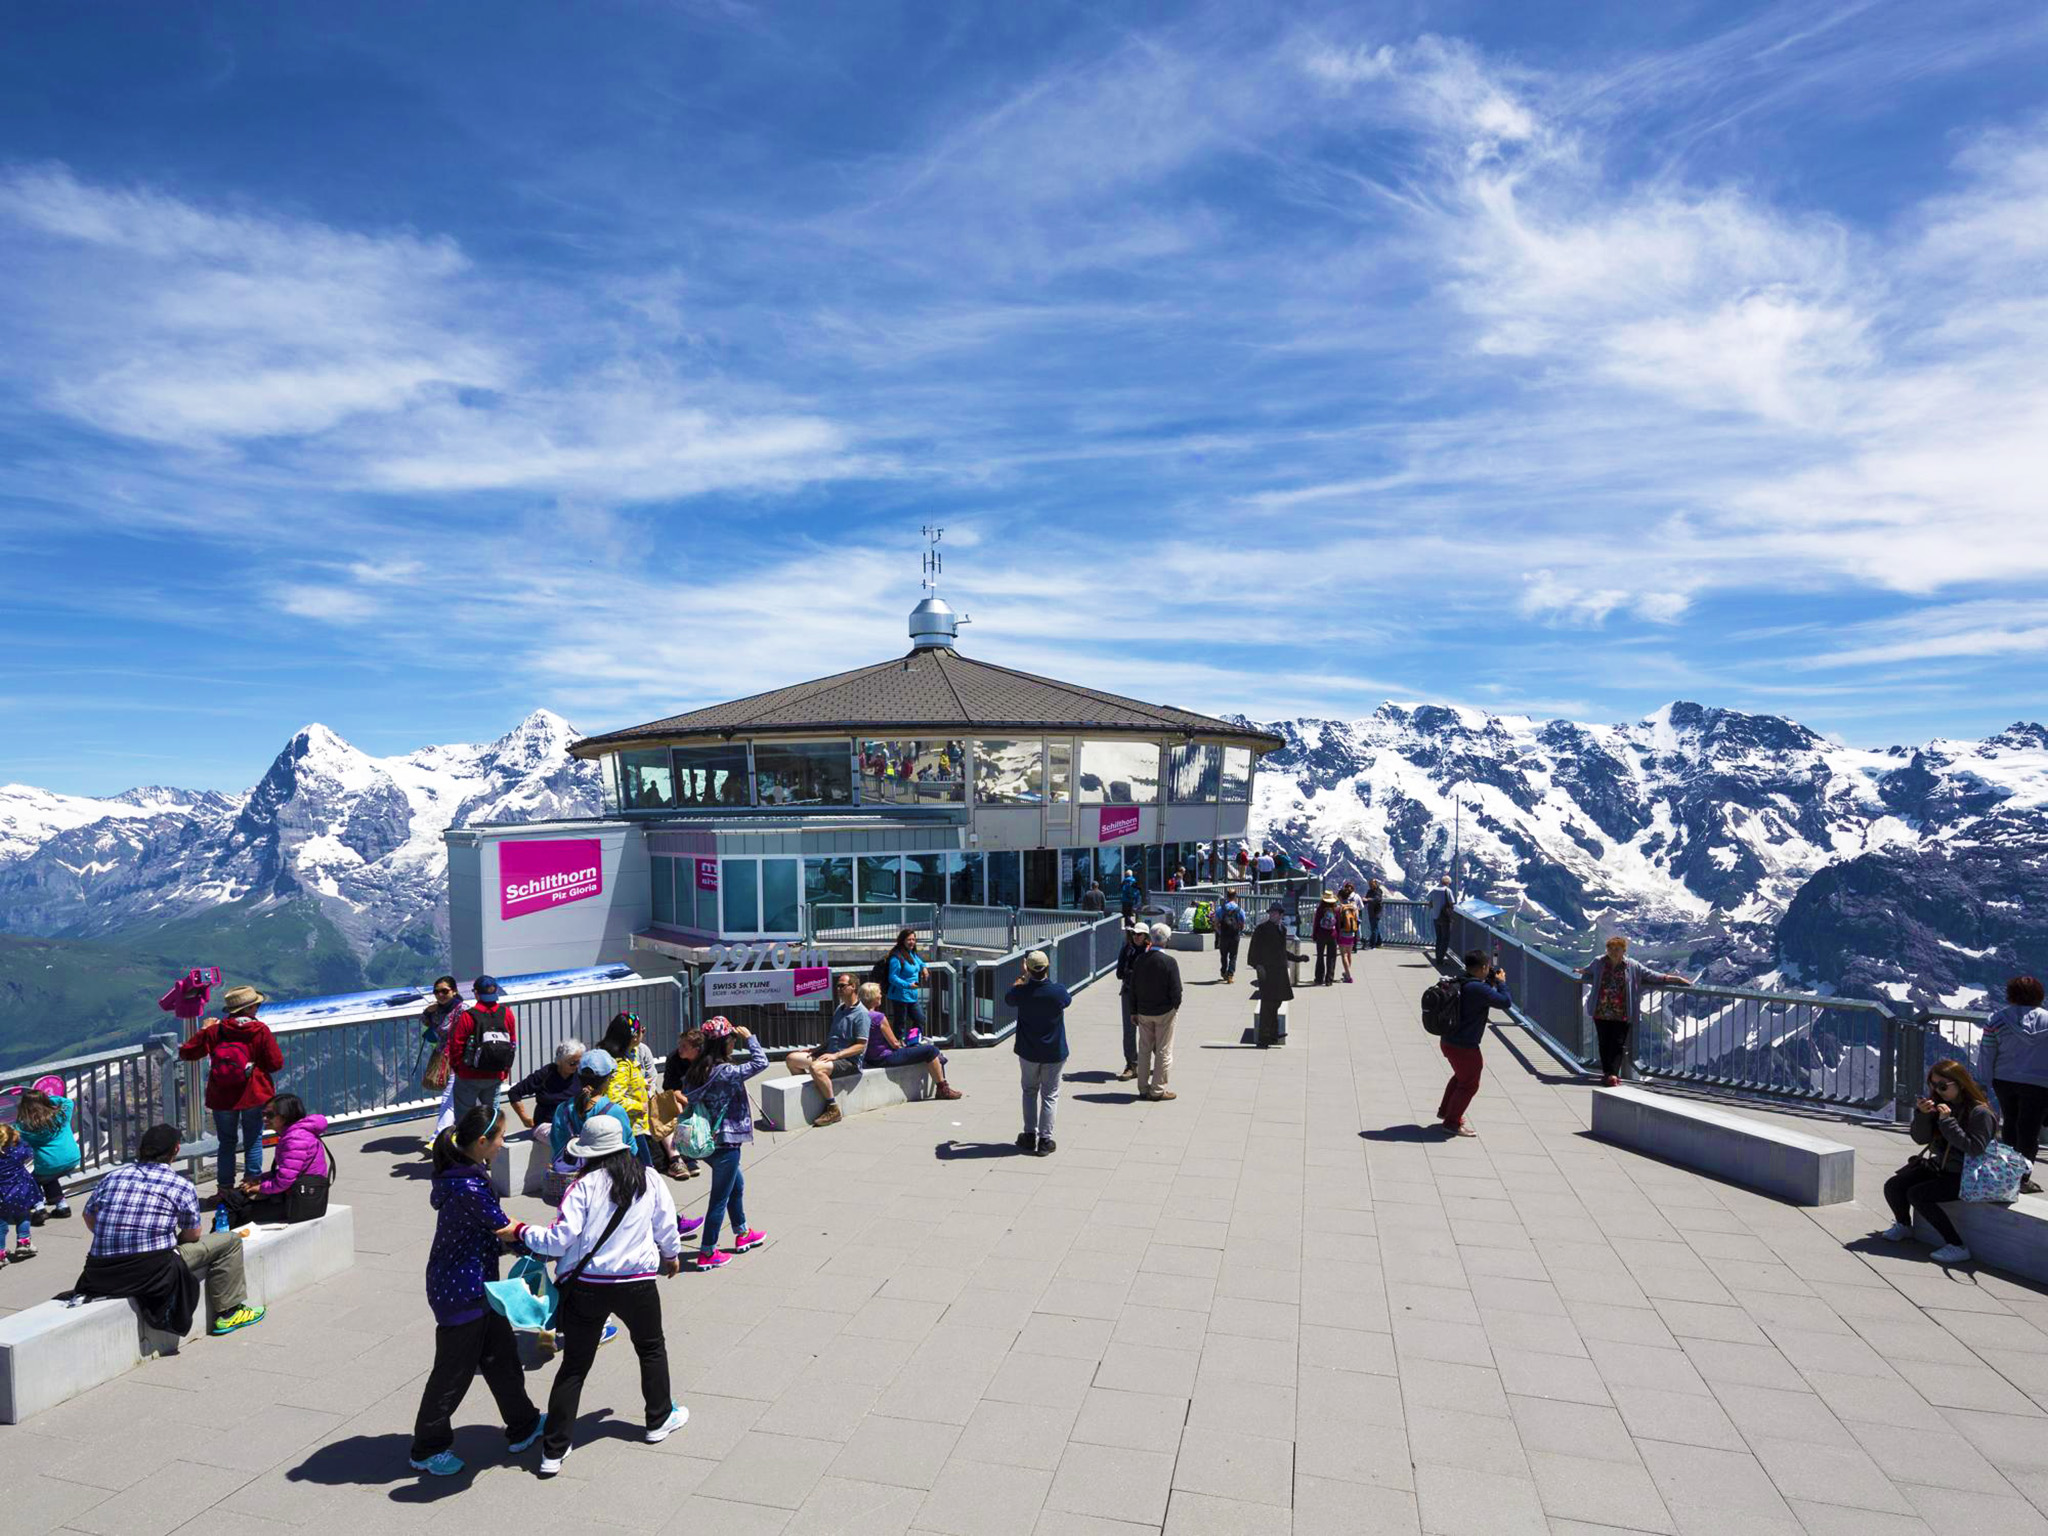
(230,1066)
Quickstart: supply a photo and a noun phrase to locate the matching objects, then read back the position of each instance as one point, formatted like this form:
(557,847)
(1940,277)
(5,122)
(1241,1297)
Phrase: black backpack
(878,973)
(1229,919)
(1440,1010)
(490,1047)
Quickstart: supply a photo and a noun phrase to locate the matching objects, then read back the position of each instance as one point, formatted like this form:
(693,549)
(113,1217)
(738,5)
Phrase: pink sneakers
(712,1260)
(753,1237)
(685,1225)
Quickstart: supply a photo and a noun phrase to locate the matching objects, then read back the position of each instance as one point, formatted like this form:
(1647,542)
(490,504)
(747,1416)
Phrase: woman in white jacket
(615,1234)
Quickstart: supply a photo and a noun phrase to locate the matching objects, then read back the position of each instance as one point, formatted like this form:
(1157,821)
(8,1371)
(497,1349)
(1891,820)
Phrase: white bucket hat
(600,1137)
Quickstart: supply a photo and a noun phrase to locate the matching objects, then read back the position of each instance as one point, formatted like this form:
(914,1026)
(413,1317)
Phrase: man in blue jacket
(1041,1005)
(1481,991)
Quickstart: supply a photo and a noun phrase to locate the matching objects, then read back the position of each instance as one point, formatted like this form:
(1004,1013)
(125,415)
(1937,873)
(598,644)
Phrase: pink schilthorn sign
(1115,821)
(707,874)
(550,872)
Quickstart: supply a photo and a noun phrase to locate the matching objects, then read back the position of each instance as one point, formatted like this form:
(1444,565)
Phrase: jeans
(1466,1065)
(1917,1189)
(728,1196)
(1155,1049)
(904,1013)
(2021,1107)
(1372,919)
(22,1227)
(1226,952)
(908,1055)
(581,1317)
(245,1126)
(464,1093)
(1130,1033)
(461,1351)
(1614,1052)
(1041,1082)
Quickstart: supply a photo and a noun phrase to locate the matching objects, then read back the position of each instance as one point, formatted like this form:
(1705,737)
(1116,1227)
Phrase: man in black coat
(1269,955)
(1154,985)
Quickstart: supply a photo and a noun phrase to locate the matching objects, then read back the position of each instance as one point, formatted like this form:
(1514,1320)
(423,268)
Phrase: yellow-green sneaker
(241,1317)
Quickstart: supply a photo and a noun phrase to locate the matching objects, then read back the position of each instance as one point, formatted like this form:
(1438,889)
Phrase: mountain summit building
(861,799)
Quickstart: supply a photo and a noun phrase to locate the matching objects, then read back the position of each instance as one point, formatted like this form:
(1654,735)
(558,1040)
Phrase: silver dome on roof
(933,625)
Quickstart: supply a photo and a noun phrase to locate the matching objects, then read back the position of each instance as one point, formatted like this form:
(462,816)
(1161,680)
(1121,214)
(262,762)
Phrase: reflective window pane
(1059,779)
(924,877)
(664,878)
(1237,775)
(1008,772)
(828,882)
(1197,773)
(740,880)
(1082,872)
(881,879)
(1109,860)
(1119,773)
(711,776)
(963,879)
(803,773)
(779,909)
(647,781)
(1005,880)
(912,772)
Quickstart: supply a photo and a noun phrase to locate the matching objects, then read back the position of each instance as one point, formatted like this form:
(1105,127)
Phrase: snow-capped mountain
(31,817)
(1697,828)
(360,836)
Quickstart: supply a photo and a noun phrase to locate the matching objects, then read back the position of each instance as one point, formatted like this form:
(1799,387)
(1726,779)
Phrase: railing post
(1909,1069)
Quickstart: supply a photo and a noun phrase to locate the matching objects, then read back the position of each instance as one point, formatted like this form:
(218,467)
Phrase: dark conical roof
(927,692)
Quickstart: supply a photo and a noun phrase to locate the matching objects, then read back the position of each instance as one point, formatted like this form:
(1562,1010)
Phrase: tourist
(884,1049)
(2014,1061)
(1439,904)
(1155,999)
(1483,991)
(717,1085)
(1137,939)
(240,1053)
(300,1155)
(19,1197)
(483,1045)
(549,1086)
(1272,955)
(1323,928)
(1953,1122)
(1350,914)
(1265,865)
(616,1232)
(437,1020)
(1041,1005)
(842,1054)
(594,1076)
(1228,921)
(46,1125)
(1375,908)
(1617,984)
(1129,895)
(470,1338)
(1244,863)
(146,1244)
(905,983)
(1092,900)
(630,1084)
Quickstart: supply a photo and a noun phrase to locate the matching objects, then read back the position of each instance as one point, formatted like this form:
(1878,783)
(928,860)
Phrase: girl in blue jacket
(45,1121)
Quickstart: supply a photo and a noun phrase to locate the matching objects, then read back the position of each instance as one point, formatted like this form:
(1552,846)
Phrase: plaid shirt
(140,1208)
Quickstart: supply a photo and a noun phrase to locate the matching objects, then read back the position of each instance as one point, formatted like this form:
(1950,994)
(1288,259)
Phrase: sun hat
(239,998)
(1037,962)
(1278,909)
(599,1063)
(1329,895)
(601,1136)
(1161,933)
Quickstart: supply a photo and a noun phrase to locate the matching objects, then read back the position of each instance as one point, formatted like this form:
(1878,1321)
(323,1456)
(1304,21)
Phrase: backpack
(1199,920)
(1347,919)
(1230,918)
(878,973)
(490,1047)
(1440,1010)
(231,1066)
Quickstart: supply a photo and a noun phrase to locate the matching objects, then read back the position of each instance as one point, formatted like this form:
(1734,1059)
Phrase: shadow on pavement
(954,1151)
(1405,1133)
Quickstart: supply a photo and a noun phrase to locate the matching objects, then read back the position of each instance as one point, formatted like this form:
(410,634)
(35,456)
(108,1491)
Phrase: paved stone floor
(1274,1305)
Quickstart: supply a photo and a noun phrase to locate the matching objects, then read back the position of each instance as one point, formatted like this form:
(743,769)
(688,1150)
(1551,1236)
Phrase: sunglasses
(1940,1082)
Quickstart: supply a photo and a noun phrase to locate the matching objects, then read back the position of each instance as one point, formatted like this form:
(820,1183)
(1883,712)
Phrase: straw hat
(239,999)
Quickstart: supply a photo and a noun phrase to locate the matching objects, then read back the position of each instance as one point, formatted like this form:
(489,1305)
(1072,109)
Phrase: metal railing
(836,923)
(1079,956)
(115,1096)
(786,1027)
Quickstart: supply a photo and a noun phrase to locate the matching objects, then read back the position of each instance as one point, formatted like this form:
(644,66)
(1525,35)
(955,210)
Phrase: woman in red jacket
(240,1053)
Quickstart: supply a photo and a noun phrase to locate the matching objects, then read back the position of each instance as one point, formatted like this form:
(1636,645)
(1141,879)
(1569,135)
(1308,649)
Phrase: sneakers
(685,1225)
(1045,1146)
(1027,1140)
(1897,1232)
(829,1115)
(710,1260)
(525,1441)
(1347,978)
(1951,1253)
(752,1238)
(242,1317)
(948,1091)
(1610,1081)
(23,1252)
(1129,1072)
(678,1416)
(1161,1095)
(61,1212)
(440,1464)
(2030,1186)
(552,1343)
(550,1465)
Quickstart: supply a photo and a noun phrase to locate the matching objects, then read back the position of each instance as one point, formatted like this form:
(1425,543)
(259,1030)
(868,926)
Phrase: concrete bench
(50,1352)
(1185,940)
(1252,1034)
(1806,1170)
(2012,1237)
(521,1166)
(793,1101)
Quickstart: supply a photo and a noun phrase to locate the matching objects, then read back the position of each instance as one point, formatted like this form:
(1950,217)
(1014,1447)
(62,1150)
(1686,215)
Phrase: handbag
(526,1298)
(435,1078)
(1992,1177)
(662,1114)
(306,1200)
(697,1134)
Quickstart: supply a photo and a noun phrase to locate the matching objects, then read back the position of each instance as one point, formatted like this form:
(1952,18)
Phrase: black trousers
(1226,952)
(581,1318)
(1326,960)
(1613,1035)
(1917,1188)
(2021,1108)
(460,1352)
(1443,937)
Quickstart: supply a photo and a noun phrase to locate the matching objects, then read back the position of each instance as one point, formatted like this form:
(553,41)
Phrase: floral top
(724,1097)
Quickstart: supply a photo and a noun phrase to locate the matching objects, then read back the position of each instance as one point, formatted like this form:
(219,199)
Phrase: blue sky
(407,367)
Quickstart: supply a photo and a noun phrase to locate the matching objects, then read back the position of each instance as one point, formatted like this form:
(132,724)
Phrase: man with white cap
(1137,938)
(1041,1005)
(1154,983)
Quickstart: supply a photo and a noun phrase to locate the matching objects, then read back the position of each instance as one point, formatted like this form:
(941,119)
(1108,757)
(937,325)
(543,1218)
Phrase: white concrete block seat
(2012,1237)
(793,1101)
(1772,1159)
(50,1352)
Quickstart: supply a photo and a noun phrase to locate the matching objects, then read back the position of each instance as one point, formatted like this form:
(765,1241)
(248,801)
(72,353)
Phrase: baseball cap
(486,987)
(599,1063)
(1037,962)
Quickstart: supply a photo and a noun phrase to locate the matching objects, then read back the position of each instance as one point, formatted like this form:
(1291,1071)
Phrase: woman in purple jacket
(716,1084)
(300,1153)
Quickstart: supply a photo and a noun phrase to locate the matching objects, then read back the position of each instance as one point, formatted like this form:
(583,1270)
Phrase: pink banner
(707,874)
(1115,821)
(812,981)
(552,872)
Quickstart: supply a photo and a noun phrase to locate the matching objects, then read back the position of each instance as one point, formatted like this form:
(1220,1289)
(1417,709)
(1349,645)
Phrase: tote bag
(697,1134)
(1992,1177)
(527,1298)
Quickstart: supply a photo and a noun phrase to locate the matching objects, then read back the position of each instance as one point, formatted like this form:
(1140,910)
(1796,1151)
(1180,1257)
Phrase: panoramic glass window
(829,883)
(740,882)
(912,772)
(1005,880)
(647,781)
(1109,869)
(803,773)
(1197,773)
(1008,772)
(924,877)
(711,776)
(1119,773)
(1059,776)
(963,879)
(779,910)
(1080,874)
(881,878)
(664,876)
(1237,775)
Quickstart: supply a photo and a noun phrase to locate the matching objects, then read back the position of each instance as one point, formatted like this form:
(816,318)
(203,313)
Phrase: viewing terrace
(1277,1304)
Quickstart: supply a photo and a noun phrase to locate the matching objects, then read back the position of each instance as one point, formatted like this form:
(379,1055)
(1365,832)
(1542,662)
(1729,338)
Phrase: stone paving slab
(1278,1304)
